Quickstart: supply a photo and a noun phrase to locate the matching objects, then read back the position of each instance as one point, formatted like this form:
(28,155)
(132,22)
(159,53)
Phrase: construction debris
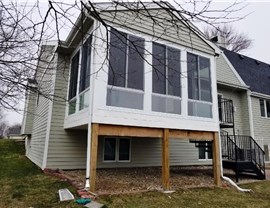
(65,195)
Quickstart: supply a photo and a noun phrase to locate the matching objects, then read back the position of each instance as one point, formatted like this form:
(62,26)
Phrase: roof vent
(258,62)
(241,56)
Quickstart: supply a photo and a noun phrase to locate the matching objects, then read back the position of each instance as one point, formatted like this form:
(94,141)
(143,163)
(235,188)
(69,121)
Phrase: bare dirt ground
(128,180)
(132,180)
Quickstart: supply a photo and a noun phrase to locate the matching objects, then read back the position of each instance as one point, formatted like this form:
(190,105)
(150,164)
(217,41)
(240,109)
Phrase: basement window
(205,152)
(116,150)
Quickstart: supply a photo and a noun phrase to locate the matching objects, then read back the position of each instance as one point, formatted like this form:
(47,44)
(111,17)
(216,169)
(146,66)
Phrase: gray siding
(225,73)
(240,102)
(261,125)
(67,149)
(245,114)
(161,25)
(148,152)
(37,142)
(29,112)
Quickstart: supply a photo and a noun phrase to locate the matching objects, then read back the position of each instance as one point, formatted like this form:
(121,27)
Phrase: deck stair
(243,155)
(240,153)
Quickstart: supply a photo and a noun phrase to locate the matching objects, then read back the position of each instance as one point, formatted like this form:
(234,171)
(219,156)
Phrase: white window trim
(265,108)
(116,150)
(199,79)
(166,70)
(127,56)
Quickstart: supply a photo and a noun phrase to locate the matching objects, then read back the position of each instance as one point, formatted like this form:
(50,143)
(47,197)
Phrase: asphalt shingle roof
(254,73)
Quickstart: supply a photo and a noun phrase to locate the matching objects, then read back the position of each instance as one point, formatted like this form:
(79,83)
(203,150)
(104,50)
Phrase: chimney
(220,40)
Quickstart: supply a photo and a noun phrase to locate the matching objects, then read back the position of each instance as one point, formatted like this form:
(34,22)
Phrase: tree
(233,40)
(25,26)
(14,129)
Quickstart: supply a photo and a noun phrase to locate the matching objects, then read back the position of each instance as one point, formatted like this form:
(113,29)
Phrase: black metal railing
(240,148)
(226,111)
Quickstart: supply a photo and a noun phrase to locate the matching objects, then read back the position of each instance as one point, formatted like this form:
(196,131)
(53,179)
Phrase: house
(243,81)
(126,90)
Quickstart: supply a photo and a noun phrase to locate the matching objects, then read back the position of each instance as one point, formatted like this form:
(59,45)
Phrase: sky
(255,25)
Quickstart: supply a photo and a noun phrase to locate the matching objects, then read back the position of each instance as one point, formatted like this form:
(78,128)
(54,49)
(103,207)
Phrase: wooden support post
(93,156)
(165,160)
(216,159)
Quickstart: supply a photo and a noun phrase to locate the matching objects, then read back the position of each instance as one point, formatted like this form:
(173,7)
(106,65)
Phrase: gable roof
(254,73)
(173,27)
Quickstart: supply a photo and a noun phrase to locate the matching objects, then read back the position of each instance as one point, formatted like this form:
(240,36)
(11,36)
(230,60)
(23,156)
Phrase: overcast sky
(255,25)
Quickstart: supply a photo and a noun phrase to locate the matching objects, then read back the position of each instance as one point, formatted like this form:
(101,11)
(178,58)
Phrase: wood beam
(165,160)
(93,156)
(116,130)
(216,159)
(187,134)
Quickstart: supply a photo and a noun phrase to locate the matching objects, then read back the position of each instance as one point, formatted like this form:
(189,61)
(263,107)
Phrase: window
(126,70)
(265,108)
(83,68)
(116,150)
(166,79)
(205,151)
(74,76)
(199,86)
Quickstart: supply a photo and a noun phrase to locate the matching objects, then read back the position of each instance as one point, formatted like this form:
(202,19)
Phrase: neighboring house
(256,103)
(146,105)
(245,81)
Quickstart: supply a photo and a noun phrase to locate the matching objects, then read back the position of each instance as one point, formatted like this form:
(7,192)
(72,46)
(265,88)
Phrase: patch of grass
(23,184)
(199,197)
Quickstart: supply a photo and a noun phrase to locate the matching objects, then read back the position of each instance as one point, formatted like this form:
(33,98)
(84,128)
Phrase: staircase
(240,153)
(243,155)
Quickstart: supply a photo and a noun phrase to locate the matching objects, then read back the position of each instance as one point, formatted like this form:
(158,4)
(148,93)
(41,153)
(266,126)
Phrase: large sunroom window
(166,79)
(79,88)
(126,71)
(199,86)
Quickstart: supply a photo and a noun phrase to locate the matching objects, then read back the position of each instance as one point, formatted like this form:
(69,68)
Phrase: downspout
(250,114)
(230,181)
(91,101)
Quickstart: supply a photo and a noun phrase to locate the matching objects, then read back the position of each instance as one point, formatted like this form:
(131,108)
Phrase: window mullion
(127,51)
(199,80)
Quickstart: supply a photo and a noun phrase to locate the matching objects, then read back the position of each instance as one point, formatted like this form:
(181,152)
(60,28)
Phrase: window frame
(78,95)
(205,154)
(127,63)
(166,47)
(264,107)
(199,78)
(117,139)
